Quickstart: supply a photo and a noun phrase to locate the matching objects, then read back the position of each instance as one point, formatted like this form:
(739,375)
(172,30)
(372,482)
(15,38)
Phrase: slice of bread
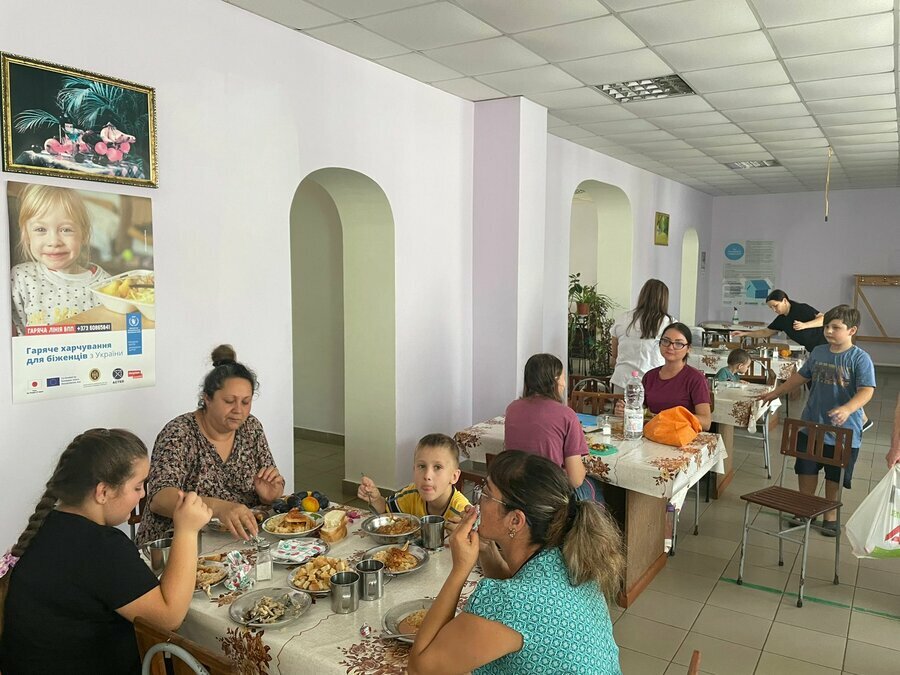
(335,526)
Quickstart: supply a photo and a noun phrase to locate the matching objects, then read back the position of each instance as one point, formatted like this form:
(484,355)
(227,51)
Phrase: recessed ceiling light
(645,89)
(753,164)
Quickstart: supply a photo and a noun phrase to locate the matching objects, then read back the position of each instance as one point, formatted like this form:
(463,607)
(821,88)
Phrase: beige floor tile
(877,601)
(766,557)
(876,580)
(774,664)
(775,578)
(683,584)
(806,645)
(707,545)
(874,630)
(636,663)
(814,616)
(697,563)
(633,632)
(668,609)
(823,568)
(678,669)
(883,565)
(724,514)
(866,659)
(717,656)
(746,600)
(822,589)
(766,541)
(725,624)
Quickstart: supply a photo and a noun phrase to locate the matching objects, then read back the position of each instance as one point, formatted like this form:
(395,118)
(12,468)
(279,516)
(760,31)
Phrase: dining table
(640,477)
(320,640)
(710,360)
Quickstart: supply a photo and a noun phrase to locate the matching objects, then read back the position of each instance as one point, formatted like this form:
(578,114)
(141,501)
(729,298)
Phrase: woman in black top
(800,322)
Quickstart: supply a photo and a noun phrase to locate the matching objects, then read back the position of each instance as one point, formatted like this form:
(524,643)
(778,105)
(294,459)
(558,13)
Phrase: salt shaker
(263,561)
(606,429)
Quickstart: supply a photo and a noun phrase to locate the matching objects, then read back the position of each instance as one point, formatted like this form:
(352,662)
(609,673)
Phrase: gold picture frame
(661,229)
(70,123)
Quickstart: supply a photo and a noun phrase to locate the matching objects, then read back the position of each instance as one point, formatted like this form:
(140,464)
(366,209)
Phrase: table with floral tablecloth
(320,641)
(710,360)
(737,404)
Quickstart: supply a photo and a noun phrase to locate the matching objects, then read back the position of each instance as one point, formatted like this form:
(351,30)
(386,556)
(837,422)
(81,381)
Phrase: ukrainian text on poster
(748,272)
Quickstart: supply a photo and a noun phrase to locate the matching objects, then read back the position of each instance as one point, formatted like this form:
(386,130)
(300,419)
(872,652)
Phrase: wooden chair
(802,506)
(760,371)
(152,640)
(135,518)
(595,384)
(694,667)
(472,477)
(594,403)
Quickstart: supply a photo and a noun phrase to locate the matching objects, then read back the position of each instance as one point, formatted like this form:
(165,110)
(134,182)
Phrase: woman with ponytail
(548,561)
(73,582)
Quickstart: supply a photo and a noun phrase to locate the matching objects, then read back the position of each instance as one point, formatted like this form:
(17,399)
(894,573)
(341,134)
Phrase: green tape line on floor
(821,601)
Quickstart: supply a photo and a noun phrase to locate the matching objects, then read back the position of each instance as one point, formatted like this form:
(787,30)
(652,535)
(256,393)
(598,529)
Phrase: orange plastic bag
(675,426)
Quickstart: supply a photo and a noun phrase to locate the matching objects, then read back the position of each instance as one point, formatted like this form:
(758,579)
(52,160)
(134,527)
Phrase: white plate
(274,520)
(396,614)
(417,552)
(211,563)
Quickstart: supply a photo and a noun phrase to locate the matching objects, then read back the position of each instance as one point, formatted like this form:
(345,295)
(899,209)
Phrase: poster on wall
(82,291)
(748,272)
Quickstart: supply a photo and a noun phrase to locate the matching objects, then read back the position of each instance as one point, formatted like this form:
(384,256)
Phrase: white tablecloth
(736,404)
(710,361)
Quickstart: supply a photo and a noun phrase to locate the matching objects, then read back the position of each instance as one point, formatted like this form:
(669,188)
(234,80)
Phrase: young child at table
(433,490)
(843,381)
(738,364)
(55,235)
(73,582)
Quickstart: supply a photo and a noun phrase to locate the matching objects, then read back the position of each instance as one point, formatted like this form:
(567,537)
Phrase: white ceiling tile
(739,155)
(677,105)
(641,137)
(787,134)
(597,113)
(719,141)
(736,77)
(571,132)
(468,88)
(858,32)
(842,87)
(850,159)
(708,130)
(297,14)
(553,121)
(739,148)
(529,14)
(766,112)
(804,153)
(599,142)
(419,67)
(841,64)
(357,40)
(718,52)
(429,26)
(862,117)
(743,98)
(691,20)
(865,139)
(853,104)
(354,9)
(530,80)
(581,97)
(661,146)
(690,120)
(796,143)
(603,35)
(856,129)
(620,126)
(619,67)
(485,56)
(787,12)
(779,124)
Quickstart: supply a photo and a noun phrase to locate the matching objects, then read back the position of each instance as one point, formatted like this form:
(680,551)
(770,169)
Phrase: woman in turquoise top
(540,608)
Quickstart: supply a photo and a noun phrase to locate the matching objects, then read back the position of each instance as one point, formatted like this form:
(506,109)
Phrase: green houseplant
(590,326)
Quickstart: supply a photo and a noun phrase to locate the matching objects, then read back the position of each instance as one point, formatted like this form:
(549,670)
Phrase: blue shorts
(807,467)
(590,491)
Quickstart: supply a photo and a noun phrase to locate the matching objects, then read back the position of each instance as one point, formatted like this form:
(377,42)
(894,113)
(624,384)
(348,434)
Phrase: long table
(710,361)
(321,641)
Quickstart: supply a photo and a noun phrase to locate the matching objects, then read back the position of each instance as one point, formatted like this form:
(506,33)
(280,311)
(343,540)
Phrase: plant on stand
(590,326)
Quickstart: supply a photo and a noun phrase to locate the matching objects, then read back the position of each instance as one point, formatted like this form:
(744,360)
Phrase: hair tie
(7,562)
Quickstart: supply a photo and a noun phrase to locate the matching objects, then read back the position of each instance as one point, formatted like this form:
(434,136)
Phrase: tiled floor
(694,603)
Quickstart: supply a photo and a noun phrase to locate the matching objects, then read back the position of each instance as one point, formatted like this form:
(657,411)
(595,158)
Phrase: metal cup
(157,553)
(432,532)
(344,592)
(371,583)
(170,533)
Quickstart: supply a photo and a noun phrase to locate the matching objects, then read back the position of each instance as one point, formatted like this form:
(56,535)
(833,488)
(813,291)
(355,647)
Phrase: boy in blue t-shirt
(843,381)
(738,364)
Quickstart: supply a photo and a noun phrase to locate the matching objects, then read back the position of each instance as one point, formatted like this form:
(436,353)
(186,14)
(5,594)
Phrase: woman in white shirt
(635,335)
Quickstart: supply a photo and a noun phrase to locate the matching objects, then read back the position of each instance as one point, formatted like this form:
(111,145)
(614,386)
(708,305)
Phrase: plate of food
(269,607)
(602,449)
(391,528)
(298,551)
(406,618)
(315,576)
(399,559)
(209,574)
(294,523)
(127,292)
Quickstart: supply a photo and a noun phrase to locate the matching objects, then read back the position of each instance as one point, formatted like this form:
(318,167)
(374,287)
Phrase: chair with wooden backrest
(726,345)
(594,402)
(135,518)
(466,476)
(802,506)
(152,640)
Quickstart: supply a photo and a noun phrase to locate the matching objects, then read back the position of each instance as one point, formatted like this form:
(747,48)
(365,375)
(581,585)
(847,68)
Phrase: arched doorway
(690,263)
(342,282)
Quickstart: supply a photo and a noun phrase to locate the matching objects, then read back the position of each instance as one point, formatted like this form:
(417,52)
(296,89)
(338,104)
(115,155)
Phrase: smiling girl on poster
(55,235)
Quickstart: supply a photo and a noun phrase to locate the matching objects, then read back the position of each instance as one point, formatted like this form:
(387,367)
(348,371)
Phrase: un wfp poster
(82,291)
(749,272)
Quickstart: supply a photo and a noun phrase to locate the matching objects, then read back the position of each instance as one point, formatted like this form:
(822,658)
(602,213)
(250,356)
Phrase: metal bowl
(372,523)
(392,618)
(297,604)
(416,552)
(269,525)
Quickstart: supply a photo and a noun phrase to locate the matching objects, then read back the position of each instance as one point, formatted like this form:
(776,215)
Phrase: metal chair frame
(598,401)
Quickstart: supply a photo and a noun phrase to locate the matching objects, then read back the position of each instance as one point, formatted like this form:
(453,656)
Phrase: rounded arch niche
(342,278)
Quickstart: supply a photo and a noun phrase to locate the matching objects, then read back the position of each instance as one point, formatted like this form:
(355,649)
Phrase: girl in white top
(635,335)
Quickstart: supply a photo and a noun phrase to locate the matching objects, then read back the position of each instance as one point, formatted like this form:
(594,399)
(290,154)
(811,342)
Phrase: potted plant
(590,327)
(579,294)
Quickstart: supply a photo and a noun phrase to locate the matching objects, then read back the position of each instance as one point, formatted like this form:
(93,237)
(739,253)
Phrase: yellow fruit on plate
(310,504)
(785,353)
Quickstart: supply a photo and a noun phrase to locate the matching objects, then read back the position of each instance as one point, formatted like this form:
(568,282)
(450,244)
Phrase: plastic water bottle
(735,318)
(634,407)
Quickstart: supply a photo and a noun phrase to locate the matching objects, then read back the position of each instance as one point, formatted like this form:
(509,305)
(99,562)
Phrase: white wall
(246,110)
(818,259)
(583,240)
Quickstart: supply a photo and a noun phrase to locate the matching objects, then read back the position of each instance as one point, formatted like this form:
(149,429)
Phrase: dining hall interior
(381,205)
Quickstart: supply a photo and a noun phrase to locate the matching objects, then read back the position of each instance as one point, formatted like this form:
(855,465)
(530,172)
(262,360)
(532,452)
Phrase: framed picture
(661,229)
(68,123)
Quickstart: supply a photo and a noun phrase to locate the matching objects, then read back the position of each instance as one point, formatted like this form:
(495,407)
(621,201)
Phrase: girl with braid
(73,582)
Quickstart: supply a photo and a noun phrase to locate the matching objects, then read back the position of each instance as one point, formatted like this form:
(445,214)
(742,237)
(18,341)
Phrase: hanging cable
(827,180)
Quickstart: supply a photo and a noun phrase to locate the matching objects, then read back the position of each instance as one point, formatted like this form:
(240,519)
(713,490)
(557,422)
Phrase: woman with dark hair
(541,423)
(73,583)
(800,322)
(219,450)
(635,334)
(675,383)
(548,561)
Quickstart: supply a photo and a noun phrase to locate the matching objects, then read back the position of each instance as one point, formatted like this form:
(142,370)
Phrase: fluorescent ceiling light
(645,89)
(753,164)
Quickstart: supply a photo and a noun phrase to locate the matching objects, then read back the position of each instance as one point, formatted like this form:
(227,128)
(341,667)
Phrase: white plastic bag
(874,528)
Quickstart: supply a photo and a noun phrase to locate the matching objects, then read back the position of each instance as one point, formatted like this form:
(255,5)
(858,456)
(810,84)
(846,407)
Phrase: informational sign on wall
(83,291)
(748,272)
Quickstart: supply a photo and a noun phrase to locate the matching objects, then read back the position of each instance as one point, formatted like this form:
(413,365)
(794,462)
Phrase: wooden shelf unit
(863,280)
